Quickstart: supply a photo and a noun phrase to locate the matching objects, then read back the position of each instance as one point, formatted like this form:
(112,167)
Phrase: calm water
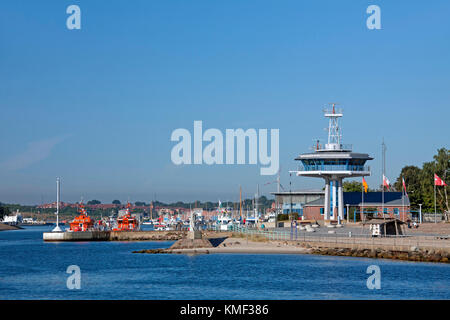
(32,269)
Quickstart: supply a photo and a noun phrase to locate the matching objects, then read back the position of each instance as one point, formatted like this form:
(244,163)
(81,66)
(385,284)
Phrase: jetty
(114,236)
(4,227)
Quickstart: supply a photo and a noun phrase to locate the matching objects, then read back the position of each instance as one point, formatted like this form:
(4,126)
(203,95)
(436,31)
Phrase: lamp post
(348,213)
(290,197)
(420,213)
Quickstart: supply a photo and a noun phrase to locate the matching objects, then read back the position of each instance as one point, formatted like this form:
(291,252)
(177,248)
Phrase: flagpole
(382,183)
(384,169)
(403,200)
(434,179)
(362,206)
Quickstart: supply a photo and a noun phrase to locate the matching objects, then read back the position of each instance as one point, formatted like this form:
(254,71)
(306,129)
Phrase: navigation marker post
(57,228)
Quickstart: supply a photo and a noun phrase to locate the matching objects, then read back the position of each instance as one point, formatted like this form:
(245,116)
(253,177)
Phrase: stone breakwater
(416,255)
(182,244)
(155,251)
(413,255)
(159,251)
(146,235)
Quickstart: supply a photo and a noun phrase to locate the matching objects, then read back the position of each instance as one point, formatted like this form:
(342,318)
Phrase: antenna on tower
(334,105)
(334,130)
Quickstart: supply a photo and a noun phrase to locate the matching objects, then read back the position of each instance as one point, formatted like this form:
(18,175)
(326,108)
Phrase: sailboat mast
(57,195)
(257,201)
(57,201)
(278,181)
(240,201)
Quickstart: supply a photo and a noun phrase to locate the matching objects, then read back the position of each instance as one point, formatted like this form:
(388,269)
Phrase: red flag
(404,186)
(438,181)
(386,182)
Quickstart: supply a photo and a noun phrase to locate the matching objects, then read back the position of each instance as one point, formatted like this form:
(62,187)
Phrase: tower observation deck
(333,162)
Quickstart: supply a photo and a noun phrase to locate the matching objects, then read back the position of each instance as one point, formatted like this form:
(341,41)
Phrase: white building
(13,219)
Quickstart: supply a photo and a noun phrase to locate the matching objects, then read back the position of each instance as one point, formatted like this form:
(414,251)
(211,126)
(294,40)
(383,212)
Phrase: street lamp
(420,213)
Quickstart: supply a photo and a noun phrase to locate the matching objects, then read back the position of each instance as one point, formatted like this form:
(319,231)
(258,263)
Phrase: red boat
(127,222)
(83,222)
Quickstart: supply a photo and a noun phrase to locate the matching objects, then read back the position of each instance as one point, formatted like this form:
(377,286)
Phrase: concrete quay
(114,236)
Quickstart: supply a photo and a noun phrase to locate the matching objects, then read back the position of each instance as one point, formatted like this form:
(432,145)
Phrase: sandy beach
(238,245)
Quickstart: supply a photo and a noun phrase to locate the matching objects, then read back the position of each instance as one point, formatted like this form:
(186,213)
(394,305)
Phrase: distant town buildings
(150,210)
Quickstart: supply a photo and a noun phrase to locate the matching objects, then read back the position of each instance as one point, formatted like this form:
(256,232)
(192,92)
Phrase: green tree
(140,203)
(208,205)
(427,185)
(116,202)
(420,183)
(4,211)
(93,202)
(353,186)
(440,166)
(412,176)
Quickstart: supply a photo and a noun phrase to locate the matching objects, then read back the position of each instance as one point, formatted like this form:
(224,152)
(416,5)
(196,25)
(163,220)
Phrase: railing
(332,167)
(345,239)
(326,147)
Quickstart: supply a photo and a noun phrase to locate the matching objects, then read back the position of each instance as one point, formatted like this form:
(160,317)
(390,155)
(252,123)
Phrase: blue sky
(97,106)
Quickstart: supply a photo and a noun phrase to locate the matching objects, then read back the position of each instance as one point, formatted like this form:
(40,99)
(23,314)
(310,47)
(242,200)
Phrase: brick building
(394,205)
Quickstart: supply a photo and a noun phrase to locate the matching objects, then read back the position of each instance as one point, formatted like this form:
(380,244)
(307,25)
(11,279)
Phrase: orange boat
(83,222)
(127,222)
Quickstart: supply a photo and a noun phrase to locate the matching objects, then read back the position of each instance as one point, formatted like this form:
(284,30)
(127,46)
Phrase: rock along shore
(233,245)
(413,255)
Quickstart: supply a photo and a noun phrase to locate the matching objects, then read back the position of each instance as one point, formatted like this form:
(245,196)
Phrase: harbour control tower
(333,162)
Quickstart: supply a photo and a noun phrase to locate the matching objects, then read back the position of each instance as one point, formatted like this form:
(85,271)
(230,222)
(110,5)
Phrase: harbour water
(32,269)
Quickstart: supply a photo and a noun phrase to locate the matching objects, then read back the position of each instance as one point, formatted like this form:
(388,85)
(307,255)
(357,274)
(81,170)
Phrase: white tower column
(326,208)
(57,228)
(333,199)
(340,200)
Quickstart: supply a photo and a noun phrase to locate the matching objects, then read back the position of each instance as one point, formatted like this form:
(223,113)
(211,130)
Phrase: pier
(114,236)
